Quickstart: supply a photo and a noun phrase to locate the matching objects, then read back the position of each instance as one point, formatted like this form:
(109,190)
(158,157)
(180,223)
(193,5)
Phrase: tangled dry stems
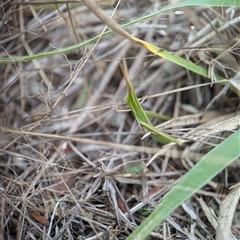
(55,187)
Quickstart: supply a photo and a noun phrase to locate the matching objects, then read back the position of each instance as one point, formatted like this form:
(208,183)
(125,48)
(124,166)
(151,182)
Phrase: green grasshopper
(141,115)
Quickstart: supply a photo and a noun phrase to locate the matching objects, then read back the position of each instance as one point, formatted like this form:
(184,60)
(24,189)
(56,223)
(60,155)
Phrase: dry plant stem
(223,123)
(208,213)
(101,2)
(84,140)
(28,219)
(226,214)
(110,23)
(30,52)
(75,74)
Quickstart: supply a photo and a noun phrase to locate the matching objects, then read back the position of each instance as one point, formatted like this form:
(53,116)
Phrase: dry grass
(59,121)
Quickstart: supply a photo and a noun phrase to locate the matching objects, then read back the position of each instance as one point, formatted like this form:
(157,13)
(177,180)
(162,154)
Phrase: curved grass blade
(174,58)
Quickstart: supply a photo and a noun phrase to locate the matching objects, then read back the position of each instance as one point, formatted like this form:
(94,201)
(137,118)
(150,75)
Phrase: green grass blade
(52,53)
(175,59)
(181,61)
(223,3)
(210,165)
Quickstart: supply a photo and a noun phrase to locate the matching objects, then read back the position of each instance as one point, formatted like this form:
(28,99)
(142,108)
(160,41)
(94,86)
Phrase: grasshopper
(141,115)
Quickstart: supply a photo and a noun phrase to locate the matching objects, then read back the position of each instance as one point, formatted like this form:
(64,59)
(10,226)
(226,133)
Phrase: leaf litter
(98,188)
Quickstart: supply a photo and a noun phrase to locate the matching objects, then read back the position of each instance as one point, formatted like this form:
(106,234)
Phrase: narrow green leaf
(208,167)
(174,58)
(181,62)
